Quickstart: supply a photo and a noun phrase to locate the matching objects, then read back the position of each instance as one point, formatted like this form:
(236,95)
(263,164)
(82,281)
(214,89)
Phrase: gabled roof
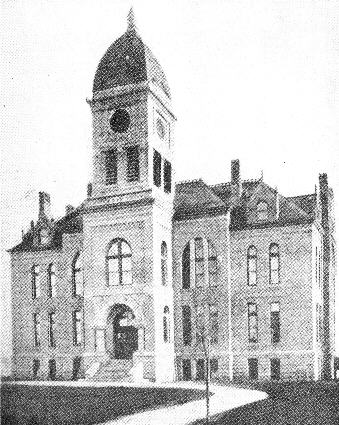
(70,223)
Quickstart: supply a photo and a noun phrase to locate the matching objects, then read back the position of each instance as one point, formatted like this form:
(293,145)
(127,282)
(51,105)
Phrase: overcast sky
(254,80)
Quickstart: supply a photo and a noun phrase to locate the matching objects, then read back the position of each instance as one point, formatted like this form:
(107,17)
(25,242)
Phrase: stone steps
(114,370)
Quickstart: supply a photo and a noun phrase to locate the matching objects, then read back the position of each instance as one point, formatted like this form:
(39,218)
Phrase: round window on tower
(120,121)
(160,128)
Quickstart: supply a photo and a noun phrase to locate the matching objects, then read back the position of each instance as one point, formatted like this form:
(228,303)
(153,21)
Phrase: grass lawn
(34,405)
(305,403)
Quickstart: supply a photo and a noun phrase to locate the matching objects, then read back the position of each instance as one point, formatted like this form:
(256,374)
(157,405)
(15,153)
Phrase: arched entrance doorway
(124,334)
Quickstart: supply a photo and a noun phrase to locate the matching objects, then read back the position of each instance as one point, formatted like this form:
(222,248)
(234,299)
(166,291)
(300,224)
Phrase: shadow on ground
(303,403)
(34,405)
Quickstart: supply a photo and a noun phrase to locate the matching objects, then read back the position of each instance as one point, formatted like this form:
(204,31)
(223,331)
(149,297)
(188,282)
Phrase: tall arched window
(212,265)
(166,325)
(252,266)
(186,267)
(35,272)
(77,275)
(164,270)
(204,262)
(186,325)
(119,263)
(262,210)
(51,281)
(199,262)
(274,264)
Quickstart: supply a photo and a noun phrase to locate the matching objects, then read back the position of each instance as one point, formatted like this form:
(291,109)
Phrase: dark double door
(125,341)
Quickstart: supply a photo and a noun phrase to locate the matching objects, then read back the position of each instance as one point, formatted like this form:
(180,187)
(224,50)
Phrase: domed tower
(128,215)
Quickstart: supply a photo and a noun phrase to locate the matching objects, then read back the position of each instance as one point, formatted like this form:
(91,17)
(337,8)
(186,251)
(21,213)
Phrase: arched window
(186,267)
(35,272)
(199,262)
(204,263)
(212,265)
(119,263)
(51,281)
(274,264)
(252,266)
(166,327)
(164,270)
(77,275)
(262,210)
(186,325)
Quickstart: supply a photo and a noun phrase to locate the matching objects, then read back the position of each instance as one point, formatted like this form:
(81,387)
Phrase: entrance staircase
(114,370)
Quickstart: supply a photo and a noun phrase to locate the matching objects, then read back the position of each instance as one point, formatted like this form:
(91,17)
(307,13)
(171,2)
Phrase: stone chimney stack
(44,205)
(235,177)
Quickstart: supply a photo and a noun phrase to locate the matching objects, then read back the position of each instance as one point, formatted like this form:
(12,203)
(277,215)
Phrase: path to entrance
(223,398)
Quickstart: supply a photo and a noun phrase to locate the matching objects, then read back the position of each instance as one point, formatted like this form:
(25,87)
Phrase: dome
(129,61)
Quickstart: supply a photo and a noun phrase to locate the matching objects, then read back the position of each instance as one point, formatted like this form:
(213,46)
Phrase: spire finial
(262,175)
(131,20)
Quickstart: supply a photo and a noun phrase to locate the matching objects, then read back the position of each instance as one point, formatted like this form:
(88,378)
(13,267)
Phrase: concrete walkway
(223,398)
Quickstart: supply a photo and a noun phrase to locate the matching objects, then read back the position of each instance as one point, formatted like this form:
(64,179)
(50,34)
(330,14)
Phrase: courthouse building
(147,273)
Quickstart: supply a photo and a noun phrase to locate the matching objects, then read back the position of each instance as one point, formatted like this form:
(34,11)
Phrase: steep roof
(129,61)
(195,198)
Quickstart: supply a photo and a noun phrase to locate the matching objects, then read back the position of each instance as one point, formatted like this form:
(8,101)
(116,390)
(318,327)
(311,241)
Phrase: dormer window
(262,211)
(44,237)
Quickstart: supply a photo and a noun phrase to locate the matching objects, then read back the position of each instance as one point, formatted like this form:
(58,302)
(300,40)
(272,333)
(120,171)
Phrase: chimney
(277,204)
(44,205)
(235,177)
(326,339)
(69,209)
(89,190)
(323,195)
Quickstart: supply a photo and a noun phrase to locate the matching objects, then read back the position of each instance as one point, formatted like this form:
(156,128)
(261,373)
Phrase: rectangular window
(167,177)
(275,323)
(200,369)
(51,329)
(275,369)
(35,282)
(186,267)
(51,281)
(133,166)
(35,368)
(186,325)
(186,370)
(214,366)
(156,168)
(52,369)
(36,322)
(252,322)
(253,369)
(214,324)
(212,266)
(111,166)
(200,324)
(77,327)
(76,368)
(100,340)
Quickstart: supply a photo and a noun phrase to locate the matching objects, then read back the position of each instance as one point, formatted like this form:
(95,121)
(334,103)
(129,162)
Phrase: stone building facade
(147,276)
